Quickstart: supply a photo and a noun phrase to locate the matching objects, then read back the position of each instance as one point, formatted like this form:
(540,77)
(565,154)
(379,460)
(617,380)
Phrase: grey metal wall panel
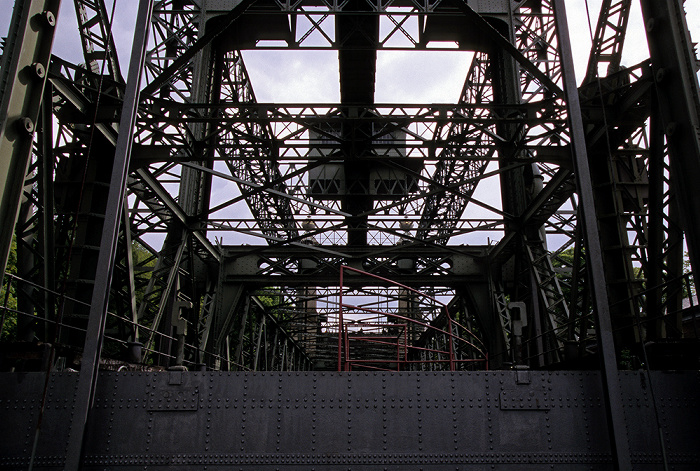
(357,421)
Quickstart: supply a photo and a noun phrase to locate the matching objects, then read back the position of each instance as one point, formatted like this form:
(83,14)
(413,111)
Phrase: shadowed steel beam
(87,379)
(502,42)
(606,346)
(98,43)
(167,74)
(609,37)
(674,65)
(25,61)
(169,202)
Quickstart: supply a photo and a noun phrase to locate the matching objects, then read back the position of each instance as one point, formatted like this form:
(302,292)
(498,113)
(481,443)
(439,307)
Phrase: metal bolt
(26,124)
(49,17)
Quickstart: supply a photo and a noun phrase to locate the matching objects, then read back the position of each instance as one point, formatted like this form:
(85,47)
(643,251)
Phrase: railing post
(340,321)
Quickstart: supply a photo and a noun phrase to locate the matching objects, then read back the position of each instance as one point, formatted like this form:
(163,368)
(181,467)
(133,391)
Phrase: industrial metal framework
(167,220)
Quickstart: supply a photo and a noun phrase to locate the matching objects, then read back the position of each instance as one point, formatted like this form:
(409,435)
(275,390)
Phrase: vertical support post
(47,200)
(23,73)
(131,283)
(340,321)
(87,378)
(606,346)
(451,340)
(673,63)
(537,357)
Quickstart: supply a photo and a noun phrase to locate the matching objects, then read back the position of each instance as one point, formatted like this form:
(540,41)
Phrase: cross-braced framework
(534,222)
(296,190)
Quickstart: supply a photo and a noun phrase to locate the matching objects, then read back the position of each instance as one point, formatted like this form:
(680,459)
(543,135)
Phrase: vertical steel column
(673,63)
(47,204)
(25,61)
(98,308)
(606,345)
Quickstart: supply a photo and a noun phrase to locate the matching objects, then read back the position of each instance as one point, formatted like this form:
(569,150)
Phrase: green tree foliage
(9,326)
(273,301)
(687,270)
(144,262)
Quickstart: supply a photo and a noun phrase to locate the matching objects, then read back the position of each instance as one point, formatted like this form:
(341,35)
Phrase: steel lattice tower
(349,226)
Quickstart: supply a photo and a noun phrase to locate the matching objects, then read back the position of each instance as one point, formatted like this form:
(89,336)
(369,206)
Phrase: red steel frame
(343,336)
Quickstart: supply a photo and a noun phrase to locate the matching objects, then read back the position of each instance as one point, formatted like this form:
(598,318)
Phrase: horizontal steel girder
(308,265)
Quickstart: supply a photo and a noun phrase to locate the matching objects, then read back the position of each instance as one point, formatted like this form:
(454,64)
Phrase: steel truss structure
(170,220)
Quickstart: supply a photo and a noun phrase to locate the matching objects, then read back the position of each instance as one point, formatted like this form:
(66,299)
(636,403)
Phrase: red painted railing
(378,334)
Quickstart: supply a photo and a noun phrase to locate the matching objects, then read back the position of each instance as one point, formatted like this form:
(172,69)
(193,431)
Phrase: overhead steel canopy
(392,250)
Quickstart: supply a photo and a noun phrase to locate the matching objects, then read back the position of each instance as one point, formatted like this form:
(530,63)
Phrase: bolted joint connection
(38,70)
(25,125)
(48,17)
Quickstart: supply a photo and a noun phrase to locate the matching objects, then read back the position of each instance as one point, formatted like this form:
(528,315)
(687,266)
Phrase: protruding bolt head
(26,125)
(49,17)
(650,25)
(660,74)
(39,70)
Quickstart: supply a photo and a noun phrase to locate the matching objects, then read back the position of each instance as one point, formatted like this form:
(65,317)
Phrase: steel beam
(25,61)
(168,73)
(675,65)
(609,38)
(87,379)
(591,236)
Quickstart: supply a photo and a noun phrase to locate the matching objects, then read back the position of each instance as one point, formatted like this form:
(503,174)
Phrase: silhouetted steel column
(606,346)
(673,63)
(100,296)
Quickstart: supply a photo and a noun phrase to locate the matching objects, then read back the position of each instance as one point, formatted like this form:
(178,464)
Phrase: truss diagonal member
(175,209)
(256,165)
(442,207)
(169,72)
(552,297)
(500,305)
(559,188)
(167,283)
(97,38)
(609,38)
(204,323)
(502,42)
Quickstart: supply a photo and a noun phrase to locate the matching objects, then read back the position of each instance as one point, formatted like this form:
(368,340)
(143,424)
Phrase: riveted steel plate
(172,399)
(355,421)
(528,399)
